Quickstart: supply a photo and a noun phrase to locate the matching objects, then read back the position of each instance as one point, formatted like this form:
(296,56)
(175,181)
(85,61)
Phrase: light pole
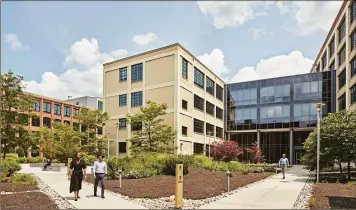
(117,139)
(108,145)
(318,109)
(209,133)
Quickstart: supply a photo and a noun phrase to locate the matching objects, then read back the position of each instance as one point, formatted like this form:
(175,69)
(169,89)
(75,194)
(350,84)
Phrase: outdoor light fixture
(318,109)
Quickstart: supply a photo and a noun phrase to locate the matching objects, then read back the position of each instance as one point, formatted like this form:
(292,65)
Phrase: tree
(44,139)
(14,104)
(226,150)
(149,132)
(255,154)
(67,143)
(337,141)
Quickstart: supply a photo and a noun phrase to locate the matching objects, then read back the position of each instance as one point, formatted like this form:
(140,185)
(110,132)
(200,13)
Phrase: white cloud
(310,16)
(231,14)
(215,61)
(14,43)
(258,33)
(144,39)
(77,82)
(277,66)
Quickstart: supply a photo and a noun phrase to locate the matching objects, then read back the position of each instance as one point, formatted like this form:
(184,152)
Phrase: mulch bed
(334,196)
(197,184)
(29,200)
(10,187)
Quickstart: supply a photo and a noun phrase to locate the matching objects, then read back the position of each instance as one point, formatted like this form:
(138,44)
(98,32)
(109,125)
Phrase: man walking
(283,163)
(100,171)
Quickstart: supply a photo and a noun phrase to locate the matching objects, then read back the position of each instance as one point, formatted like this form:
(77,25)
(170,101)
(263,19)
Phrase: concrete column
(291,147)
(258,138)
(228,136)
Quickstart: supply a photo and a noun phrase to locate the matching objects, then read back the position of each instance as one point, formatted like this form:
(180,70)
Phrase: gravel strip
(169,203)
(58,200)
(302,201)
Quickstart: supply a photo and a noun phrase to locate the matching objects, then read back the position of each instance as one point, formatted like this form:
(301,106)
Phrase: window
(35,121)
(198,126)
(184,131)
(123,74)
(209,129)
(136,99)
(57,109)
(332,66)
(219,113)
(198,78)
(219,92)
(219,132)
(66,111)
(122,123)
(353,40)
(100,105)
(184,105)
(76,112)
(353,94)
(66,121)
(332,47)
(47,122)
(136,126)
(352,12)
(83,128)
(37,106)
(318,67)
(184,68)
(123,100)
(100,131)
(122,147)
(323,62)
(210,85)
(342,78)
(353,67)
(342,55)
(137,72)
(342,102)
(47,107)
(342,30)
(198,103)
(210,108)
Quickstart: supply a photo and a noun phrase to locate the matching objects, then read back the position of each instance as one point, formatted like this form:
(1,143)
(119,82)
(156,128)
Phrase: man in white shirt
(100,171)
(283,163)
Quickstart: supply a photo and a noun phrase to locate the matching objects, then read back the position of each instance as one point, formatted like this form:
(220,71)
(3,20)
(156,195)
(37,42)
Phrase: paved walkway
(272,193)
(59,182)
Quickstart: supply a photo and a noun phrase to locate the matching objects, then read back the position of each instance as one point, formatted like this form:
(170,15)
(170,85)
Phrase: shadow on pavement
(342,202)
(70,198)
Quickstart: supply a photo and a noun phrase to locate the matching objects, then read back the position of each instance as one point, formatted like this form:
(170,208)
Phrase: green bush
(30,160)
(172,160)
(89,159)
(235,166)
(20,152)
(23,179)
(10,156)
(9,167)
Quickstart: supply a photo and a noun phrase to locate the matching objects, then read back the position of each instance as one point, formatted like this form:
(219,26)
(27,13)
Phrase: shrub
(30,160)
(10,156)
(235,166)
(89,159)
(202,161)
(23,179)
(255,154)
(226,151)
(9,167)
(173,160)
(20,152)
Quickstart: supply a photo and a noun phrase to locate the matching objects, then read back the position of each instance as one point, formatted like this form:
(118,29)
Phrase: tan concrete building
(339,53)
(193,93)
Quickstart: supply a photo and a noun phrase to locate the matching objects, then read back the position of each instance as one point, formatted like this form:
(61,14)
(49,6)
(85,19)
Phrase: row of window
(342,99)
(199,80)
(209,129)
(57,109)
(200,103)
(136,99)
(46,121)
(136,73)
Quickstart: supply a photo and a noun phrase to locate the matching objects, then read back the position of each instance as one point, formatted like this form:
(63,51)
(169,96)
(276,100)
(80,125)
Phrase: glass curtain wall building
(278,113)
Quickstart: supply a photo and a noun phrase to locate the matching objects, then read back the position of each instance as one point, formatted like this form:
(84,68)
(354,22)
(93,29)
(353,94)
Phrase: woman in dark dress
(77,170)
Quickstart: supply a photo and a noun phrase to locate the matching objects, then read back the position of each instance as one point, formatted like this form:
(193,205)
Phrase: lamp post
(117,139)
(318,109)
(108,145)
(209,133)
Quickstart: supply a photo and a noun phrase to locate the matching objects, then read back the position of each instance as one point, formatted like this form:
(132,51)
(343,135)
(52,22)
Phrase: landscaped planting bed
(27,200)
(334,196)
(198,184)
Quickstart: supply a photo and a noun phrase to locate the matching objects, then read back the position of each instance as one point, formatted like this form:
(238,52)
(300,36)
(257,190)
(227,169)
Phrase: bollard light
(228,175)
(120,172)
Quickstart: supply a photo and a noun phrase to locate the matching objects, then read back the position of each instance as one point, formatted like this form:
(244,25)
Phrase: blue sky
(231,38)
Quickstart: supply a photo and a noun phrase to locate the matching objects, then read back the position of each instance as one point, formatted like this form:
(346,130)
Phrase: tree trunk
(349,169)
(340,167)
(4,156)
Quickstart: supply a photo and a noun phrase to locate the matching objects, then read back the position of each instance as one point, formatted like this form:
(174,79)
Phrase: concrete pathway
(272,193)
(59,182)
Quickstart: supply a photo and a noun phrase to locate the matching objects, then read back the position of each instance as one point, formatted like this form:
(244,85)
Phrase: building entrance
(298,154)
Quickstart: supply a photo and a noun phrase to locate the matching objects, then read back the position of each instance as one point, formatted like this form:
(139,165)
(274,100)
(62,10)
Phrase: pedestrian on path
(77,170)
(100,171)
(283,163)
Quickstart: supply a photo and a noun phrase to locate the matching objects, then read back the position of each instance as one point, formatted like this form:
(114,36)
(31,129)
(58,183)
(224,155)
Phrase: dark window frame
(323,61)
(342,102)
(184,131)
(210,86)
(47,107)
(47,121)
(352,12)
(184,68)
(199,103)
(211,128)
(219,92)
(122,123)
(35,121)
(353,94)
(219,132)
(199,78)
(210,108)
(342,78)
(136,99)
(342,30)
(123,74)
(123,100)
(332,47)
(219,113)
(56,110)
(342,55)
(37,106)
(184,104)
(137,73)
(66,111)
(198,126)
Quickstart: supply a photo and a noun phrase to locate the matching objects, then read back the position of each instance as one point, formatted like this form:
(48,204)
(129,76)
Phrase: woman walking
(77,170)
